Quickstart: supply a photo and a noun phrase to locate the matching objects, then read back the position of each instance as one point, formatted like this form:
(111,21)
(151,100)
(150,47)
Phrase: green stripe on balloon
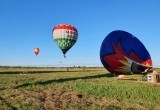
(64,43)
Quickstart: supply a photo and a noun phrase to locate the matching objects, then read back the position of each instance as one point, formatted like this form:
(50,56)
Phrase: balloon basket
(64,55)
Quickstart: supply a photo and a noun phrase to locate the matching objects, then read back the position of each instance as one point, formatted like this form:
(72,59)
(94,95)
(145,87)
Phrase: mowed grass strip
(77,90)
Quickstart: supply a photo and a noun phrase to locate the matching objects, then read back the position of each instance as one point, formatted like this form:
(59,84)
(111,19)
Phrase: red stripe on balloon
(65,26)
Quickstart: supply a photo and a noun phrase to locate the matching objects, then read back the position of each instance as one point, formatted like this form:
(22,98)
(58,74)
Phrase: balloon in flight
(65,36)
(123,53)
(36,51)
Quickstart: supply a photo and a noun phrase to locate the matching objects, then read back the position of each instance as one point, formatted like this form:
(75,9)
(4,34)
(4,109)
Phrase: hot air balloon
(36,51)
(65,36)
(123,53)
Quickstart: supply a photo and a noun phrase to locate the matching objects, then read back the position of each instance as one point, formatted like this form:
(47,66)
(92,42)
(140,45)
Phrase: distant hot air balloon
(122,53)
(65,36)
(36,51)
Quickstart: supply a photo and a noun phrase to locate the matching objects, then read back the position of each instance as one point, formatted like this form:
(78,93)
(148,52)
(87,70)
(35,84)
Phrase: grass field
(74,89)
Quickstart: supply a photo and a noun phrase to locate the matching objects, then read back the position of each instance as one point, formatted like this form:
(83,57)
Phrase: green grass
(76,89)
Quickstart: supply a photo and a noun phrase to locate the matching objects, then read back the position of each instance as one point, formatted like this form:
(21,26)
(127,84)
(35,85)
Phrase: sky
(27,24)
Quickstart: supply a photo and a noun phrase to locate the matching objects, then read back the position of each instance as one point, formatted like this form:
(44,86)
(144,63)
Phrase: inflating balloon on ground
(123,53)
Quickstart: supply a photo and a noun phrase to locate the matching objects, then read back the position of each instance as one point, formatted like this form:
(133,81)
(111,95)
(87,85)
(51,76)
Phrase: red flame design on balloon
(120,61)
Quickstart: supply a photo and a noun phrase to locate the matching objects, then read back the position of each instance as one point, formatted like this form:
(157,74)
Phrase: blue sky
(27,24)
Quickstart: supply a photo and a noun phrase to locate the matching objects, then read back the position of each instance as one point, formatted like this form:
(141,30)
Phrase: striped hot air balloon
(65,36)
(122,53)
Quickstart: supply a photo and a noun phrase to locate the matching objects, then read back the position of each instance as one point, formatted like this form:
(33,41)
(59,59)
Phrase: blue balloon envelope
(122,53)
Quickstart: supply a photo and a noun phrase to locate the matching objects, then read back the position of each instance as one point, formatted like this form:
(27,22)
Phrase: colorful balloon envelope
(123,53)
(65,36)
(36,51)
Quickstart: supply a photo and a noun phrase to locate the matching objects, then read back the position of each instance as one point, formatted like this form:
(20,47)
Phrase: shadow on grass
(28,72)
(32,72)
(5,102)
(2,89)
(63,80)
